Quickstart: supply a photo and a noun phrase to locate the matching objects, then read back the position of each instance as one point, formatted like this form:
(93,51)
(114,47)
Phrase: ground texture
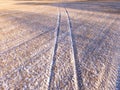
(49,45)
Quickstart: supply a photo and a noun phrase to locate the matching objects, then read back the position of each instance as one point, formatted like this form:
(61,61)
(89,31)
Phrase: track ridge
(55,48)
(73,50)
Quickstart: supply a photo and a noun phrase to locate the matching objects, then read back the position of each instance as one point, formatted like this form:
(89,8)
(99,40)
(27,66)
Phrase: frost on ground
(59,46)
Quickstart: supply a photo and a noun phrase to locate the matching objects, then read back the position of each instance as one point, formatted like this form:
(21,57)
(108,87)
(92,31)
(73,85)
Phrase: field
(56,45)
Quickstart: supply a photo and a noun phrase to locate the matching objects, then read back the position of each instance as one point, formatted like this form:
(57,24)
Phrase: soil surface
(56,45)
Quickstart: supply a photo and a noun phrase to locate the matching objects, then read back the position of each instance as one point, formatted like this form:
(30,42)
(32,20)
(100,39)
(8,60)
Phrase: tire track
(118,79)
(29,69)
(91,49)
(109,80)
(63,68)
(55,49)
(77,77)
(36,54)
(26,41)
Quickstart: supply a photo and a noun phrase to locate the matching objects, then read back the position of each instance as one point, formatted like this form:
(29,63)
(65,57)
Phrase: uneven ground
(48,45)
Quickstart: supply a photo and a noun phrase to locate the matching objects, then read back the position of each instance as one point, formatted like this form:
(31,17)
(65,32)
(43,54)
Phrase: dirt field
(56,45)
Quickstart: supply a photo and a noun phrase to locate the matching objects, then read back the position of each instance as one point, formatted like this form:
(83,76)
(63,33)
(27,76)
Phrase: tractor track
(55,48)
(59,39)
(75,47)
(77,77)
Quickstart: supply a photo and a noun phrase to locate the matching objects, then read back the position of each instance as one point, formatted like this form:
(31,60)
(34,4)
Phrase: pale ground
(48,45)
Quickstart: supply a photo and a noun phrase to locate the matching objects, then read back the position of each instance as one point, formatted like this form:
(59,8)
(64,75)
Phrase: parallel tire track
(58,57)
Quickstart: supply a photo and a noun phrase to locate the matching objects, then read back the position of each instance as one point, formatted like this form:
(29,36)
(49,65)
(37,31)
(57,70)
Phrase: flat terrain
(55,45)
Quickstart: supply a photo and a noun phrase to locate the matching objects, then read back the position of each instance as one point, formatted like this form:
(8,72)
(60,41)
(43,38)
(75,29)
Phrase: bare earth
(55,45)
